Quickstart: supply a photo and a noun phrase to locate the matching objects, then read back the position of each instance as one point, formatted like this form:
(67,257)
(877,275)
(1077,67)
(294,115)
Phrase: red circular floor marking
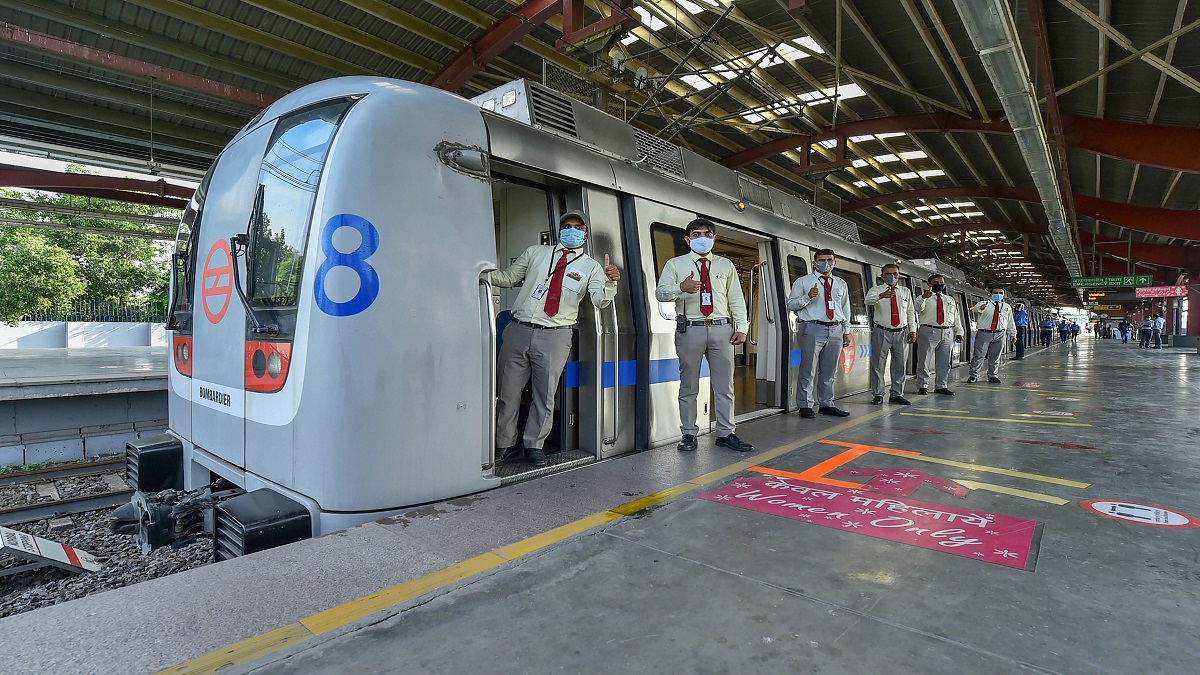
(1145,514)
(216,284)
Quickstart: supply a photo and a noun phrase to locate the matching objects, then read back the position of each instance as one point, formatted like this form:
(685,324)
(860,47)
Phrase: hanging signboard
(1107,308)
(1110,282)
(1161,292)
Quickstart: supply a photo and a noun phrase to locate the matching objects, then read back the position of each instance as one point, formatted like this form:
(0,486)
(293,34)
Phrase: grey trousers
(529,351)
(820,347)
(692,347)
(884,343)
(931,342)
(989,345)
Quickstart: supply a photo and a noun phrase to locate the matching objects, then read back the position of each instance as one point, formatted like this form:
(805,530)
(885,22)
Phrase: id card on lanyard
(551,270)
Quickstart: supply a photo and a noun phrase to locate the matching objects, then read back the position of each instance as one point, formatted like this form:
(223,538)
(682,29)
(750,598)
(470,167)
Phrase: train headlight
(259,363)
(185,353)
(274,365)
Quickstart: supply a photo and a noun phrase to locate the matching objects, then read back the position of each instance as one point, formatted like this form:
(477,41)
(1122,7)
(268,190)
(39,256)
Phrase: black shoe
(734,443)
(972,379)
(830,410)
(688,443)
(923,391)
(878,400)
(536,457)
(509,455)
(899,400)
(1018,358)
(807,413)
(994,380)
(944,391)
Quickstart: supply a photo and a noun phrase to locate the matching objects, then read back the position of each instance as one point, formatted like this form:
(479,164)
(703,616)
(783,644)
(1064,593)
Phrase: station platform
(1044,524)
(48,373)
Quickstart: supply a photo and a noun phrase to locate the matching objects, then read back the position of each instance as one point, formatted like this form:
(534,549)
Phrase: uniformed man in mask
(994,327)
(538,340)
(822,304)
(894,328)
(940,327)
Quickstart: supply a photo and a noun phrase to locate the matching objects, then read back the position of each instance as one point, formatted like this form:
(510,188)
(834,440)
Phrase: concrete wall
(73,427)
(77,334)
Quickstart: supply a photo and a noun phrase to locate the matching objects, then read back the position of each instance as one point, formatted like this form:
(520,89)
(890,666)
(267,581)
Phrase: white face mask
(701,245)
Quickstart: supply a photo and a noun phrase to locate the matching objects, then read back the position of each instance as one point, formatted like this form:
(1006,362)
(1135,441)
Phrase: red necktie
(895,309)
(705,287)
(941,311)
(996,317)
(829,298)
(555,292)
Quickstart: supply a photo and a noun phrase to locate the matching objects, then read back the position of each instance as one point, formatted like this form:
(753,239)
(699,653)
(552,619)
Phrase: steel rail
(51,473)
(72,505)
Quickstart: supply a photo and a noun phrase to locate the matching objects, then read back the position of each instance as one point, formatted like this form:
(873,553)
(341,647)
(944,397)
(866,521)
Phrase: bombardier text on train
(333,268)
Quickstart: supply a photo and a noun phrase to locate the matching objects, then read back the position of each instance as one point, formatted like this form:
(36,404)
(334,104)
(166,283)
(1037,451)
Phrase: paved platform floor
(701,586)
(697,585)
(40,373)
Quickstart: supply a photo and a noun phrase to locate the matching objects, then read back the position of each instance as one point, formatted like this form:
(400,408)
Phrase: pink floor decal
(990,537)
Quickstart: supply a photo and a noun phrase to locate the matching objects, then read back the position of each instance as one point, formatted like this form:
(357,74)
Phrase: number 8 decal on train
(342,365)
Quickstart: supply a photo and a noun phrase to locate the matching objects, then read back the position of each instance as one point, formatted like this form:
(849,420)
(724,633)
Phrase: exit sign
(1109,282)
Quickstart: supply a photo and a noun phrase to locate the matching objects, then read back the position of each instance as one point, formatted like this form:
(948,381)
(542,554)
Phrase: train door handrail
(616,341)
(488,316)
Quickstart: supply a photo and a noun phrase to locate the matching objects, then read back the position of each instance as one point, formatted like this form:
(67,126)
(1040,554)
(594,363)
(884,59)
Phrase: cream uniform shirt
(883,307)
(536,266)
(927,313)
(987,309)
(728,300)
(814,309)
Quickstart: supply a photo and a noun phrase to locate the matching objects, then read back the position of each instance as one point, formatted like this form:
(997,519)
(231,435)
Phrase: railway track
(117,494)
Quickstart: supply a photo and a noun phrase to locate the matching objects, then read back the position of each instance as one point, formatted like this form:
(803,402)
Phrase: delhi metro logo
(216,286)
(848,356)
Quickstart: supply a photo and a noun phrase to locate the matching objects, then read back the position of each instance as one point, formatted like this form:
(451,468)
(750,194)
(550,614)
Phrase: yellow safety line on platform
(1034,390)
(992,469)
(262,645)
(1026,494)
(999,419)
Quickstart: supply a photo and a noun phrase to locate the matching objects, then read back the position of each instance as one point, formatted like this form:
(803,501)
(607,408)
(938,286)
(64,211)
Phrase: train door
(963,353)
(793,264)
(854,364)
(219,327)
(527,215)
(756,362)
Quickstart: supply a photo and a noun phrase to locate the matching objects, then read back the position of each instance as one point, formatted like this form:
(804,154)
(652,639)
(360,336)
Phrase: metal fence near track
(96,310)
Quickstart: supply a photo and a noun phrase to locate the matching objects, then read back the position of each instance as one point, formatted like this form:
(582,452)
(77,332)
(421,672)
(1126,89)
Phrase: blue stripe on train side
(661,370)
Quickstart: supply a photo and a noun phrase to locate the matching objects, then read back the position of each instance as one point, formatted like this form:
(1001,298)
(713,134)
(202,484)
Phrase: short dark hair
(699,223)
(885,267)
(823,251)
(935,275)
(997,288)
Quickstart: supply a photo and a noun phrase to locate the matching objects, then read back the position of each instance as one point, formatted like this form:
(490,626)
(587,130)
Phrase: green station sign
(1109,282)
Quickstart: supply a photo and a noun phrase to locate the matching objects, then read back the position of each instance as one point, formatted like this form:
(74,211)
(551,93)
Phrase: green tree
(35,274)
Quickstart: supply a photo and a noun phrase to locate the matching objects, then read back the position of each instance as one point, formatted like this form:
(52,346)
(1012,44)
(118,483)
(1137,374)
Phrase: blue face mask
(997,297)
(824,266)
(701,245)
(571,237)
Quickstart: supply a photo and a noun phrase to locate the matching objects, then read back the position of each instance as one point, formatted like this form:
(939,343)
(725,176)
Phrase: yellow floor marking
(1032,390)
(242,652)
(991,469)
(1041,416)
(1000,419)
(336,617)
(1037,496)
(354,610)
(952,410)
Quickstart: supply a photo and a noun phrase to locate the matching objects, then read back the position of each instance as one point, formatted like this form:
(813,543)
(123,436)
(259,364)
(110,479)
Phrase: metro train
(334,334)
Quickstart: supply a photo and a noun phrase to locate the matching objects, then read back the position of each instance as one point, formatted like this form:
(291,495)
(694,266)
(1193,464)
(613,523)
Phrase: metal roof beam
(113,231)
(501,35)
(929,231)
(40,179)
(116,30)
(88,212)
(1148,219)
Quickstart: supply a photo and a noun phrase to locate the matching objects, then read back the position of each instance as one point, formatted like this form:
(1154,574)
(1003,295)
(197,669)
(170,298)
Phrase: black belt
(823,323)
(541,327)
(709,322)
(986,330)
(892,330)
(929,325)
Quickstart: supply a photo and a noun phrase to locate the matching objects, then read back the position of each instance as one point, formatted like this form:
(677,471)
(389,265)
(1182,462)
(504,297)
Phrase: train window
(290,174)
(667,242)
(858,296)
(183,265)
(797,267)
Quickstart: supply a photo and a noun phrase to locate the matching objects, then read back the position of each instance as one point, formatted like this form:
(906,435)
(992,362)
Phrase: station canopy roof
(884,112)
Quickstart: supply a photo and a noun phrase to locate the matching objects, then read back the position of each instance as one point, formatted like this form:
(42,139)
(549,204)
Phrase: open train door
(219,321)
(793,264)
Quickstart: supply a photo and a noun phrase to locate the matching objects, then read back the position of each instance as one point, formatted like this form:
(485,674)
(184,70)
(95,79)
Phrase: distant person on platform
(993,329)
(940,327)
(1125,328)
(1064,331)
(1047,331)
(1021,319)
(1075,330)
(821,302)
(1160,323)
(1145,332)
(894,328)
